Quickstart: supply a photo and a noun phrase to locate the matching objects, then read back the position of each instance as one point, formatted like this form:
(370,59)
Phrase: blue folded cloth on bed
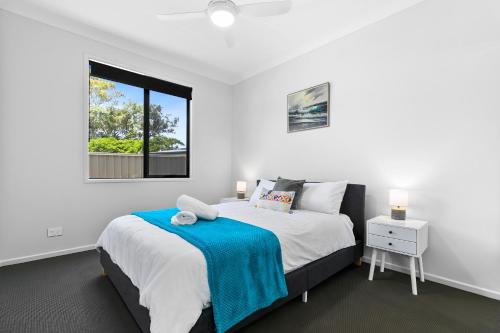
(245,269)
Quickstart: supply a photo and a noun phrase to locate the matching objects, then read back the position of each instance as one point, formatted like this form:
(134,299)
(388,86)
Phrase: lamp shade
(222,13)
(398,198)
(241,186)
(222,18)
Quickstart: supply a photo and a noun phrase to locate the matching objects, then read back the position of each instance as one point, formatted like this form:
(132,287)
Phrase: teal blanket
(245,270)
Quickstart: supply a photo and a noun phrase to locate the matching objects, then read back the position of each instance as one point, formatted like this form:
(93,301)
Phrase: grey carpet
(67,294)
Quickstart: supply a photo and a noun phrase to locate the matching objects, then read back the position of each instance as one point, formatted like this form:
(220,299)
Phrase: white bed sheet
(171,274)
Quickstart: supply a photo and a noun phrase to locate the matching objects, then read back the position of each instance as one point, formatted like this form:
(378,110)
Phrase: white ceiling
(196,45)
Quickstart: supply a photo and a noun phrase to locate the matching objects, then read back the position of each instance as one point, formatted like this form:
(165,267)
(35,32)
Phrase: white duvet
(171,274)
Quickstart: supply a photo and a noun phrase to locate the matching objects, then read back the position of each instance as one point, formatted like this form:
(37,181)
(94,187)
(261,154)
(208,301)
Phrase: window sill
(137,180)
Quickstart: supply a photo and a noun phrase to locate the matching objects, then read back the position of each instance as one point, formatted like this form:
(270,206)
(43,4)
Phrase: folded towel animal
(200,209)
(183,217)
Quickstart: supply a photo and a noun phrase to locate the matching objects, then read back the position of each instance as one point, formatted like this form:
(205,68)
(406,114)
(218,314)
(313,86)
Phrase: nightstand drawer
(392,231)
(392,244)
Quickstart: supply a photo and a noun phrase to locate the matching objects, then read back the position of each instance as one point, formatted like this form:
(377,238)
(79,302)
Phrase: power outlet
(54,232)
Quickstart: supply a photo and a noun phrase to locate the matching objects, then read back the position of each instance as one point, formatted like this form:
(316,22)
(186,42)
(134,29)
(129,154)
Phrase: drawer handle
(390,231)
(390,244)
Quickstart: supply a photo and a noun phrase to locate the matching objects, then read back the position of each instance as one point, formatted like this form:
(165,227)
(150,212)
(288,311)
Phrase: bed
(302,274)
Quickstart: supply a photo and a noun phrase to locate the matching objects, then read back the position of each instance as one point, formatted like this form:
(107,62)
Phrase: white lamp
(241,189)
(398,199)
(222,13)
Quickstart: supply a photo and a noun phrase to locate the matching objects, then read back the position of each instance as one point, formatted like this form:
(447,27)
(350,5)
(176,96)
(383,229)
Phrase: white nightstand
(233,199)
(408,237)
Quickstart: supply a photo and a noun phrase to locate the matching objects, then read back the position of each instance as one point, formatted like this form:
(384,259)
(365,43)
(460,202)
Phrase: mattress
(171,274)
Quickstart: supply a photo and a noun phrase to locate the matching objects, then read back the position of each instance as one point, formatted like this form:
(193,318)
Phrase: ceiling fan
(223,13)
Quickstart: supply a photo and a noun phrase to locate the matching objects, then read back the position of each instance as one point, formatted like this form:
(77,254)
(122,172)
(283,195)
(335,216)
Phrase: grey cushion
(288,185)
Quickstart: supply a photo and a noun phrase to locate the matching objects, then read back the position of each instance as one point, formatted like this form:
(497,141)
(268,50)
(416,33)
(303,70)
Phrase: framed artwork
(309,108)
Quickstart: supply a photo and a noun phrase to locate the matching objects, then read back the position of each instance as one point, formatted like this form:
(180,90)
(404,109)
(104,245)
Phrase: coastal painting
(309,108)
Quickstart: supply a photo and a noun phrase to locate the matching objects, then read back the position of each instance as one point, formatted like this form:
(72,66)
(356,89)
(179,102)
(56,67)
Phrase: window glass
(167,134)
(116,125)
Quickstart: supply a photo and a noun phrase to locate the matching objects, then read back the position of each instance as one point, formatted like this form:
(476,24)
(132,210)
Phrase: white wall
(41,120)
(415,104)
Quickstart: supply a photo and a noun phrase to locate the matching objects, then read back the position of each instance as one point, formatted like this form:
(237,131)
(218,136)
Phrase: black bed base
(298,281)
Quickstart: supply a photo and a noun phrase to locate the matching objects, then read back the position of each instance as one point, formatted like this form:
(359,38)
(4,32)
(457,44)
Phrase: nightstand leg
(382,263)
(372,264)
(413,278)
(421,267)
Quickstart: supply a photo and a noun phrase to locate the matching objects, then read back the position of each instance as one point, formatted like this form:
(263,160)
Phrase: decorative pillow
(263,183)
(290,185)
(323,197)
(280,201)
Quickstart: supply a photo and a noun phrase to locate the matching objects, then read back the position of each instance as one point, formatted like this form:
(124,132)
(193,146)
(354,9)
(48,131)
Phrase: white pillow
(322,197)
(280,201)
(264,183)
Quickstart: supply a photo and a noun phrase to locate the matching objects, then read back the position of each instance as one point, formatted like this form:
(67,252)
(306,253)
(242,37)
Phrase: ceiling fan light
(222,18)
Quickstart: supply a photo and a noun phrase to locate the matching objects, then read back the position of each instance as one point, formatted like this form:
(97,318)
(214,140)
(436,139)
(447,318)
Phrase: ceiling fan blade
(268,8)
(181,15)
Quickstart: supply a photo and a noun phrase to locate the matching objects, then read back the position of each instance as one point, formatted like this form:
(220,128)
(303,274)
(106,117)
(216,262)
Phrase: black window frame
(148,83)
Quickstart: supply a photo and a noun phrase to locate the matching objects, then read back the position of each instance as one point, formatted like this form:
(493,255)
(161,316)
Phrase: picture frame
(309,108)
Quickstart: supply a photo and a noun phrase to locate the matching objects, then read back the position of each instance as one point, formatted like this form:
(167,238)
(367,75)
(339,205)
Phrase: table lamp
(241,189)
(398,199)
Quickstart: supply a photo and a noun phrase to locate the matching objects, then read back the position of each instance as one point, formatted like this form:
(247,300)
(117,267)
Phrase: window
(138,125)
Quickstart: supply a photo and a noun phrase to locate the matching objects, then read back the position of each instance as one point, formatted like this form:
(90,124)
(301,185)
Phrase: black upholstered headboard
(353,205)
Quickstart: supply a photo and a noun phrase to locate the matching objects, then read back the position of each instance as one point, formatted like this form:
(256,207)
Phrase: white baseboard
(45,255)
(442,280)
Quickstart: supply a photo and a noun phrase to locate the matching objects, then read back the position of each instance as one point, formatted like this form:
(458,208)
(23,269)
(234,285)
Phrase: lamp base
(398,214)
(240,195)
